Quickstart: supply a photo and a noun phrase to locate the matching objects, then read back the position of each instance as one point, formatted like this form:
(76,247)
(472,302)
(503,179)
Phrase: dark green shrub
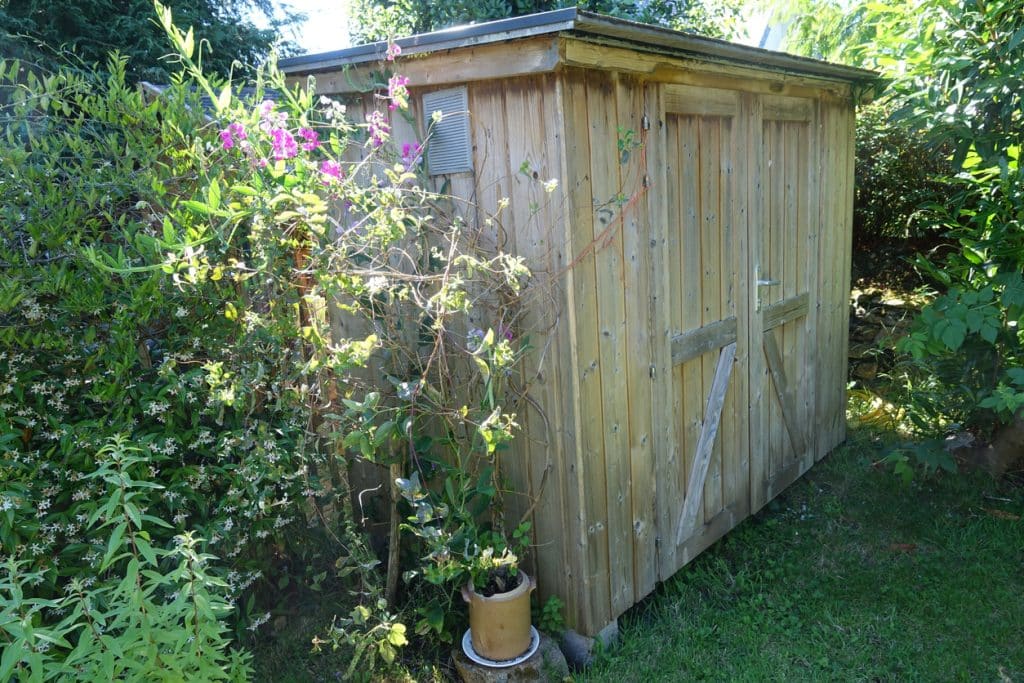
(898,176)
(175,393)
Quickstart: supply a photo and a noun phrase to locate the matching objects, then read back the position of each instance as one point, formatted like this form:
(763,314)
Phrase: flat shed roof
(579,23)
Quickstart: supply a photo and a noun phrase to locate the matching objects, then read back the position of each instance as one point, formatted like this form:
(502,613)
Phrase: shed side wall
(778,189)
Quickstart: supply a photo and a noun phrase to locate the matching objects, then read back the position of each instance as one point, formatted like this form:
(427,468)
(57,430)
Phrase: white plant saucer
(467,647)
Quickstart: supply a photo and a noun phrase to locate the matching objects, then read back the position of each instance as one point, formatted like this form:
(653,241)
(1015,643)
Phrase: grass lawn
(850,575)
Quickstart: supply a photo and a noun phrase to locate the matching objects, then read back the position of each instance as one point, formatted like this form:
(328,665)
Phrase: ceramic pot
(499,626)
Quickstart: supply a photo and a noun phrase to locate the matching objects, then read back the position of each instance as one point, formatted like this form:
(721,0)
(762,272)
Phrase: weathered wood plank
(812,264)
(479,63)
(803,264)
(790,283)
(697,72)
(787,310)
(671,480)
(783,392)
(695,101)
(660,166)
(563,360)
(782,108)
(776,165)
(493,184)
(695,343)
(688,519)
(713,529)
(736,464)
(639,363)
(711,265)
(515,135)
(594,610)
(607,185)
(757,226)
(690,287)
(826,189)
(543,416)
(727,273)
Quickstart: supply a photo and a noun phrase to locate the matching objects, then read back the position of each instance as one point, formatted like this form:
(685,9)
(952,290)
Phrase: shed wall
(644,261)
(729,183)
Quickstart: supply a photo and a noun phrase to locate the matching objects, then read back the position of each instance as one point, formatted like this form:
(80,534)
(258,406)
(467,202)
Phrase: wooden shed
(697,247)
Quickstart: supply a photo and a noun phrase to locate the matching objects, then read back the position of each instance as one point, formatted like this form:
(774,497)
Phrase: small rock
(579,649)
(547,665)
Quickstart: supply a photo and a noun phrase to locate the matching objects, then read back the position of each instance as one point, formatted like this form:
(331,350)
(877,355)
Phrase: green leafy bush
(161,619)
(898,177)
(100,340)
(215,289)
(957,68)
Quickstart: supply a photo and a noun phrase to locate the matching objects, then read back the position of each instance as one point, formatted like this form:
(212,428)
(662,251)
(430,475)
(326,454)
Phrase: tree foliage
(94,28)
(899,176)
(956,71)
(374,20)
(823,29)
(955,115)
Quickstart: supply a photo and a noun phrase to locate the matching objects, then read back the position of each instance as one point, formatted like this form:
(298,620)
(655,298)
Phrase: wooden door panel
(783,240)
(705,227)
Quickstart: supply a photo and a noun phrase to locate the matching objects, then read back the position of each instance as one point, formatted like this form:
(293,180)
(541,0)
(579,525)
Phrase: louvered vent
(449,149)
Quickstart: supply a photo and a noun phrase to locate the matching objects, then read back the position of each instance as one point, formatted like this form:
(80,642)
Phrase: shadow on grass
(849,575)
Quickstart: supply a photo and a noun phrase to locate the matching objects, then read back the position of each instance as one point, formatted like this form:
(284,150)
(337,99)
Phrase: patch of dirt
(501,580)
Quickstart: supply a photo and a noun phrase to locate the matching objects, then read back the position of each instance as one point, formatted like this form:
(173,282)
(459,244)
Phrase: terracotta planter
(500,625)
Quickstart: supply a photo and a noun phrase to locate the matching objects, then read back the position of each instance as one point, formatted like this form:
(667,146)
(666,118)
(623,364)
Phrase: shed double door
(737,188)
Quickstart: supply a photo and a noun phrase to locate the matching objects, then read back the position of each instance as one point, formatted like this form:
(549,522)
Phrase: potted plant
(498,595)
(481,562)
(454,498)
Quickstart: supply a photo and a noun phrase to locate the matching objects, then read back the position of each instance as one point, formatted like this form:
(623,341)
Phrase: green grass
(850,575)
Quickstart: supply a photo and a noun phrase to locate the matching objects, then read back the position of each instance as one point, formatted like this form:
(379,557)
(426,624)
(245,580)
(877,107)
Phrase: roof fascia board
(694,45)
(461,36)
(580,23)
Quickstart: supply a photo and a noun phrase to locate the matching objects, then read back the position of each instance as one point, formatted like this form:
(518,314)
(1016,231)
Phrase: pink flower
(393,51)
(283,144)
(331,169)
(411,154)
(234,131)
(398,93)
(238,130)
(269,119)
(312,140)
(377,127)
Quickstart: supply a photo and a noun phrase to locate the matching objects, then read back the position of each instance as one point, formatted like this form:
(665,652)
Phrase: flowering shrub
(179,286)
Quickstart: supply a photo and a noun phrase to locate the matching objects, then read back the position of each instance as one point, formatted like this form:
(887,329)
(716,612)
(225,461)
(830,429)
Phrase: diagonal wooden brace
(706,443)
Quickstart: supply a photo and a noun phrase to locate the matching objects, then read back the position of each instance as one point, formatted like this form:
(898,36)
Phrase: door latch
(762,282)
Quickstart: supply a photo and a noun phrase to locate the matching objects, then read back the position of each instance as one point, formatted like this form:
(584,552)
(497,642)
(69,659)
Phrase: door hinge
(645,122)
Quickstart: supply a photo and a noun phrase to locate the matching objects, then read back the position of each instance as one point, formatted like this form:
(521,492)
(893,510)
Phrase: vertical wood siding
(645,260)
